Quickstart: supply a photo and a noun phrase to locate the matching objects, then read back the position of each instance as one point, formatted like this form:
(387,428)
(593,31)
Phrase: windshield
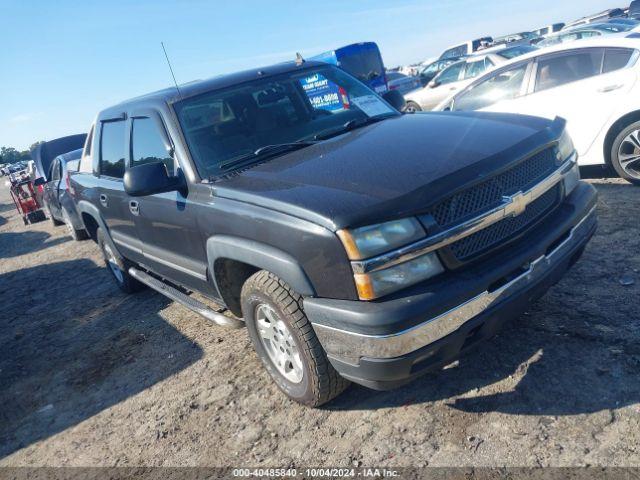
(513,52)
(365,65)
(223,125)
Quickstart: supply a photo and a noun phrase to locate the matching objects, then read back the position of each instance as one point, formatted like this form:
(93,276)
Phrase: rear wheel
(125,282)
(412,107)
(286,343)
(625,153)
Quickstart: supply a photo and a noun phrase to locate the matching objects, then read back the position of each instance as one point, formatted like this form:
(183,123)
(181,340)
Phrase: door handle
(134,207)
(103,199)
(610,88)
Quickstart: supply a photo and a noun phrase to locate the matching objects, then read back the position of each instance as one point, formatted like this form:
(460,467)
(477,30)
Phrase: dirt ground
(91,376)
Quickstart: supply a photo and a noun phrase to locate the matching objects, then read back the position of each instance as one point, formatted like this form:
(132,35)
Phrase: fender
(261,256)
(84,206)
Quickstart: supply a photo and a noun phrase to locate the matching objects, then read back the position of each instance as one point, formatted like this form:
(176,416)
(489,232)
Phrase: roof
(73,155)
(613,40)
(196,87)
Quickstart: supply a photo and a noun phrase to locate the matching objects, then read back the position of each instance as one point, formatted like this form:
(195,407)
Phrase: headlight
(565,146)
(382,282)
(571,179)
(373,240)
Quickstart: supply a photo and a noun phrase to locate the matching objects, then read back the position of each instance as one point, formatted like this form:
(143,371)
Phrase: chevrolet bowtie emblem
(515,204)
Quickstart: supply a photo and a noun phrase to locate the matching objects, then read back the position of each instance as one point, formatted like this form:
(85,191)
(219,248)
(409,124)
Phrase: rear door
(113,202)
(166,222)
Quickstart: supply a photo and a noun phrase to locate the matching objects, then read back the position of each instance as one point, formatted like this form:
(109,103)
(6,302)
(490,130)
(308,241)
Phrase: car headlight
(565,146)
(373,240)
(366,242)
(382,282)
(571,178)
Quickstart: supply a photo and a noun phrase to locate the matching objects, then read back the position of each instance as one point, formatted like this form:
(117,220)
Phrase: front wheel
(412,107)
(125,282)
(286,342)
(625,153)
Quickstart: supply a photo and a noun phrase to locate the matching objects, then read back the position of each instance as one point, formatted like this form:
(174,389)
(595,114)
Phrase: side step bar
(185,300)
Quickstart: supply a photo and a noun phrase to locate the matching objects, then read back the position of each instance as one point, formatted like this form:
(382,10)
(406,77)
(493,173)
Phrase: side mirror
(395,99)
(433,84)
(39,181)
(150,178)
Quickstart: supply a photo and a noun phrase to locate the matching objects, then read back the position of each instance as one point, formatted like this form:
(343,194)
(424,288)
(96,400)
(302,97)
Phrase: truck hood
(391,169)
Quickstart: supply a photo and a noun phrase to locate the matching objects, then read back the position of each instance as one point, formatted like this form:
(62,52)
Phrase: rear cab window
(112,148)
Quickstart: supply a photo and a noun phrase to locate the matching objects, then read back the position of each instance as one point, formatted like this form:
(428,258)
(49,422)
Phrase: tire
(125,282)
(412,107)
(625,153)
(269,303)
(77,235)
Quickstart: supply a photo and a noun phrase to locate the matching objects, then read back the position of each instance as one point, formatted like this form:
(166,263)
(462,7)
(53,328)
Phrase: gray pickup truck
(354,243)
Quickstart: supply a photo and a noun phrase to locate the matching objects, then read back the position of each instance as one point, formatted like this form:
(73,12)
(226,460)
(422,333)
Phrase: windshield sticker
(324,94)
(371,105)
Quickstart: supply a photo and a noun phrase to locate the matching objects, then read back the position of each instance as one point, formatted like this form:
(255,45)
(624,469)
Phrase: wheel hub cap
(277,340)
(629,154)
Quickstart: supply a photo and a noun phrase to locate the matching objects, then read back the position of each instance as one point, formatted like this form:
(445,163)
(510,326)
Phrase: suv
(355,244)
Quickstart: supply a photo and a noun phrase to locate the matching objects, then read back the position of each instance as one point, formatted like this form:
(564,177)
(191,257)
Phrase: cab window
(85,162)
(450,74)
(616,59)
(148,144)
(504,85)
(563,69)
(112,149)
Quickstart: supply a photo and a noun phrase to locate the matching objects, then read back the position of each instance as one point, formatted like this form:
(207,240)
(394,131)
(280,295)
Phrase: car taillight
(68,182)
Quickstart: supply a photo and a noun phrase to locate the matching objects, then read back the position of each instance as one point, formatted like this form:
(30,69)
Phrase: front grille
(485,239)
(487,195)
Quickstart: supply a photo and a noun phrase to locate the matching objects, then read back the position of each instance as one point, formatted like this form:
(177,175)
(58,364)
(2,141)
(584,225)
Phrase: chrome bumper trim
(512,206)
(350,346)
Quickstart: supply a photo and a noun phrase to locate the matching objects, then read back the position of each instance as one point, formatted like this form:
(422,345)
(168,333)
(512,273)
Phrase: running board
(185,300)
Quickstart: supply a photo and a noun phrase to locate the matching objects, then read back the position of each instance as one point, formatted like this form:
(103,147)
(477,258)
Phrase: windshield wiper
(350,125)
(264,151)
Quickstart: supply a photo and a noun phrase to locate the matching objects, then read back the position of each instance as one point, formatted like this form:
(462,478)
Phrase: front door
(166,222)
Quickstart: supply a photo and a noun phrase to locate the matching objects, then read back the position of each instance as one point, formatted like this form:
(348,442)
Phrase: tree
(10,155)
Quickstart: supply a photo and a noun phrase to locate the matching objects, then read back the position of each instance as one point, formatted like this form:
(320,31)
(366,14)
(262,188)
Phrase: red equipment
(26,201)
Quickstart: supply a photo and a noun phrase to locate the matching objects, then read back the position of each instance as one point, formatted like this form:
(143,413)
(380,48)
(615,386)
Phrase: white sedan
(593,84)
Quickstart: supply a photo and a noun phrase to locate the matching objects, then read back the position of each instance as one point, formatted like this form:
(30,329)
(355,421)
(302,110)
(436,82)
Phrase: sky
(62,61)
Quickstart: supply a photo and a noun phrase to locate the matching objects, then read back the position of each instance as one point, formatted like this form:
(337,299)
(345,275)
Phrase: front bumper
(387,343)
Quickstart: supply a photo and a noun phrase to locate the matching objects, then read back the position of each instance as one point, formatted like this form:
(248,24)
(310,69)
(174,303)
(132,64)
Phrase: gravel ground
(90,376)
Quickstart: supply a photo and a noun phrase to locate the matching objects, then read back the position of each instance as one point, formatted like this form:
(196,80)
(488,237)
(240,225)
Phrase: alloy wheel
(278,341)
(629,154)
(113,264)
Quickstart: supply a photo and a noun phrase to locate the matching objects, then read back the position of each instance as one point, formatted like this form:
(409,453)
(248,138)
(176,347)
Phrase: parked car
(543,31)
(466,48)
(362,60)
(593,84)
(583,32)
(402,83)
(58,195)
(429,71)
(632,22)
(347,252)
(522,37)
(610,13)
(634,10)
(459,75)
